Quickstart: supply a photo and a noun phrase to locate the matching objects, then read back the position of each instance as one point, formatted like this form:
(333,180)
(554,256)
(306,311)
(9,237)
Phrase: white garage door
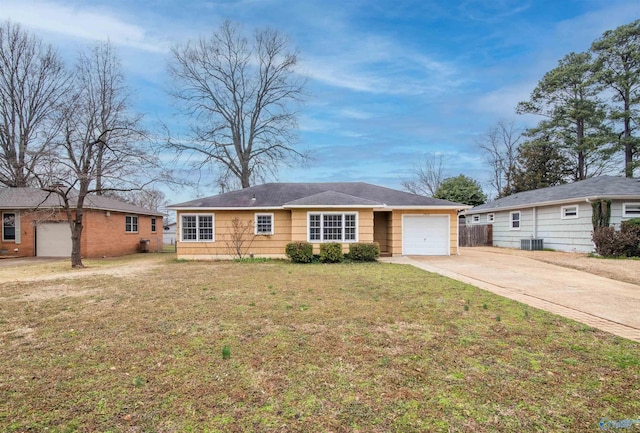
(424,235)
(53,240)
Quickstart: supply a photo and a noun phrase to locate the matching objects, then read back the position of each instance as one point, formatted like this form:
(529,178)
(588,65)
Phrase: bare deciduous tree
(99,148)
(500,145)
(429,174)
(240,95)
(239,238)
(150,198)
(32,82)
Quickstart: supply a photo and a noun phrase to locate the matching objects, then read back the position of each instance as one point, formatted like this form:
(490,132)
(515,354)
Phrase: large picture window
(333,227)
(8,226)
(197,228)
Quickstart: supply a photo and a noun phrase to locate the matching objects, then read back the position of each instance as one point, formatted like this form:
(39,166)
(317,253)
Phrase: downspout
(535,223)
(458,212)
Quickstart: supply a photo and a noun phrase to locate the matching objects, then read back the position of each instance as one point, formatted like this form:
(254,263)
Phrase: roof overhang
(86,207)
(285,207)
(555,202)
(216,208)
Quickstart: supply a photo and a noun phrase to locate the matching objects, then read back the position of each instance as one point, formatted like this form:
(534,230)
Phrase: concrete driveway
(602,303)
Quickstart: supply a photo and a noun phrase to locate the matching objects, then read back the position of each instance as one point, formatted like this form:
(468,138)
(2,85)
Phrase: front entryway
(381,228)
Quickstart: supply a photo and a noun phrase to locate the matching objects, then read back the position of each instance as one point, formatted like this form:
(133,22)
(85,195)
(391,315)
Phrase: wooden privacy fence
(475,235)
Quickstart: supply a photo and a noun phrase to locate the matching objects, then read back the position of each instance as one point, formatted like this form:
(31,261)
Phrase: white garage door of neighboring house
(53,240)
(425,235)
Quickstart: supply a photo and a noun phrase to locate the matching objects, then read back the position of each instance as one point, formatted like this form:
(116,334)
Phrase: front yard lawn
(313,348)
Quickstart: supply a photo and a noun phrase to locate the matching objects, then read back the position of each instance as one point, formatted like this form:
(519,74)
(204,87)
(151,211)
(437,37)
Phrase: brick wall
(105,236)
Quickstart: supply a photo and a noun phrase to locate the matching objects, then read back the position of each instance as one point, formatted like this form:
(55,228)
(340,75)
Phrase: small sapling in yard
(226,352)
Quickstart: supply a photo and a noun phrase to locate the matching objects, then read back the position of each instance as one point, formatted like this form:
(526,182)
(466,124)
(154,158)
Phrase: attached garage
(53,240)
(425,235)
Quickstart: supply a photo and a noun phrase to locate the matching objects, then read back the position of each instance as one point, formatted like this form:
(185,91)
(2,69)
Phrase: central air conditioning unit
(531,244)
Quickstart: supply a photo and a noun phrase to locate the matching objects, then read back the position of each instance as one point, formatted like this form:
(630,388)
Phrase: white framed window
(332,227)
(8,226)
(131,224)
(153,224)
(514,218)
(263,224)
(631,210)
(569,212)
(491,217)
(197,228)
(475,219)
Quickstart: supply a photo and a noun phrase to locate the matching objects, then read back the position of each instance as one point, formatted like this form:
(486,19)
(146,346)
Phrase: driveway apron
(602,303)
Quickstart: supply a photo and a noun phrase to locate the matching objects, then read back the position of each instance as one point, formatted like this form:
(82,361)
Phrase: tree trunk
(629,147)
(76,238)
(581,156)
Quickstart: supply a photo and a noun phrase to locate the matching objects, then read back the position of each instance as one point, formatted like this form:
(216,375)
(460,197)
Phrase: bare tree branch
(429,174)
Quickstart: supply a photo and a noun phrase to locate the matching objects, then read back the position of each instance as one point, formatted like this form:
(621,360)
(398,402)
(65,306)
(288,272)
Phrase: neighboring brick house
(34,223)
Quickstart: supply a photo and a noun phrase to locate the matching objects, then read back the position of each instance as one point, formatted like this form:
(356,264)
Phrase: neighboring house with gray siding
(559,215)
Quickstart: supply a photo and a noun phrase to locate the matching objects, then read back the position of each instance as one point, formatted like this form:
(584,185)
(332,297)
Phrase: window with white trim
(153,224)
(631,210)
(263,224)
(475,219)
(332,227)
(131,223)
(8,226)
(514,218)
(491,217)
(196,228)
(569,212)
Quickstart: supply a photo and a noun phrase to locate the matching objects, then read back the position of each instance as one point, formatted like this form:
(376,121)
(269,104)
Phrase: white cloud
(79,22)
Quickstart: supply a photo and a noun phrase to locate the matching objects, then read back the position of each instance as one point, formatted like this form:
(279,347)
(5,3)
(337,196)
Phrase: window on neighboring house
(515,220)
(8,226)
(569,212)
(264,224)
(197,228)
(475,219)
(131,223)
(153,224)
(333,227)
(631,210)
(490,217)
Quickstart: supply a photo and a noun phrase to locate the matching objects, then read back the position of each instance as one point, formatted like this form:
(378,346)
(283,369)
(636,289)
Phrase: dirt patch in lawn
(115,267)
(627,270)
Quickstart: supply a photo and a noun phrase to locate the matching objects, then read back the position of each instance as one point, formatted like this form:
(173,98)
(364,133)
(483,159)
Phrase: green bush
(618,243)
(299,252)
(364,252)
(331,252)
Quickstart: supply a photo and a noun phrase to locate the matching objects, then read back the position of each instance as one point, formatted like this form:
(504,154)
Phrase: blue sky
(388,80)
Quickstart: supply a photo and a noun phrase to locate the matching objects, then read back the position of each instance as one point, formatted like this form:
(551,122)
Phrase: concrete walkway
(602,303)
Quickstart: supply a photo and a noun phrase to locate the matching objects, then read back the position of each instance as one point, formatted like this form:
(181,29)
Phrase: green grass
(312,348)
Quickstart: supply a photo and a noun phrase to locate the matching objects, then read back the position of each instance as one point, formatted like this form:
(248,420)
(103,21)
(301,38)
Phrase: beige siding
(223,245)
